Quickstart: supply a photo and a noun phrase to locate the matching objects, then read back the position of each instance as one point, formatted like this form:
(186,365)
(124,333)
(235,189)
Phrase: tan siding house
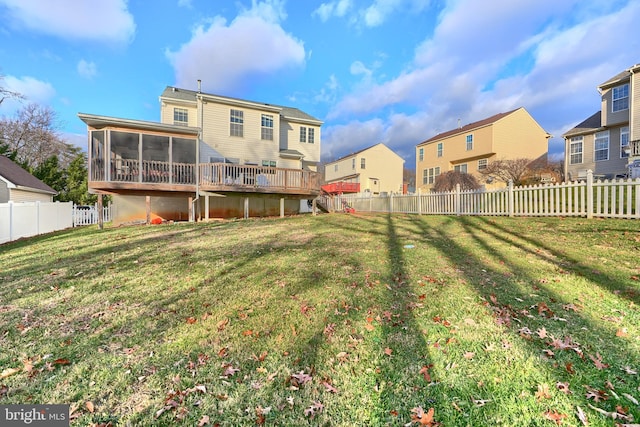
(470,148)
(209,156)
(608,142)
(377,169)
(18,185)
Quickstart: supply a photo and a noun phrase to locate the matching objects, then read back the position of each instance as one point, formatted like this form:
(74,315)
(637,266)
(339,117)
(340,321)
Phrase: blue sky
(392,71)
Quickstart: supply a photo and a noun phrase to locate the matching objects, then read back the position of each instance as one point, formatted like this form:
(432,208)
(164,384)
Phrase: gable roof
(470,126)
(291,113)
(588,125)
(620,77)
(364,149)
(14,174)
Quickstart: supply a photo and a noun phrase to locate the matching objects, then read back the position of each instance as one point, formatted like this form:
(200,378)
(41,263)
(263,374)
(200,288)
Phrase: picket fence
(26,219)
(590,199)
(87,215)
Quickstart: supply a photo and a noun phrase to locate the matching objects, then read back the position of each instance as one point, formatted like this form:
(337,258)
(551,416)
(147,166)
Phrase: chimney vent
(199,85)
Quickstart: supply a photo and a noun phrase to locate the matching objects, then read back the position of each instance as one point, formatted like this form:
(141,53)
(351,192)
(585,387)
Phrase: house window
(429,175)
(237,123)
(181,116)
(482,164)
(460,168)
(601,146)
(421,154)
(469,142)
(269,163)
(440,148)
(624,141)
(335,168)
(303,134)
(575,150)
(620,98)
(267,127)
(362,163)
(353,163)
(311,135)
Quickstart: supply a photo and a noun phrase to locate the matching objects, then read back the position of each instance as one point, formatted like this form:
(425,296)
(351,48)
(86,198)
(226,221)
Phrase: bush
(448,181)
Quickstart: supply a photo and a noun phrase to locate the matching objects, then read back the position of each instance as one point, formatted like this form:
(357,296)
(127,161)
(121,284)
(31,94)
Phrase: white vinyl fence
(18,220)
(87,215)
(590,199)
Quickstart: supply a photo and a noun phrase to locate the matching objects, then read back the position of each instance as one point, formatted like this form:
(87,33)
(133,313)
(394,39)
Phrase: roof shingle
(13,173)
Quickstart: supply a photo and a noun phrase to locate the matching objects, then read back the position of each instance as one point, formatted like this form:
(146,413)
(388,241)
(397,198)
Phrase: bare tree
(448,181)
(409,177)
(32,134)
(506,170)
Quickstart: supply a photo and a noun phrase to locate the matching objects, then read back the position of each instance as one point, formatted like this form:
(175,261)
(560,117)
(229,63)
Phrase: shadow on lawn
(509,294)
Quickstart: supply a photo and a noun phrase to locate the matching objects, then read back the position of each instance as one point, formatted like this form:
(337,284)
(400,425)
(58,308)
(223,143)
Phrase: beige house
(470,148)
(210,156)
(18,185)
(608,142)
(374,170)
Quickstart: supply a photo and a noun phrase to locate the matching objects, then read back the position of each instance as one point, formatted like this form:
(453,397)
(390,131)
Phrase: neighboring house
(250,159)
(376,169)
(470,148)
(608,142)
(18,185)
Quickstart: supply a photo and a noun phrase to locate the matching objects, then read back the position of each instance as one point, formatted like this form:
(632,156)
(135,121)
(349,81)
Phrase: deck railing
(230,176)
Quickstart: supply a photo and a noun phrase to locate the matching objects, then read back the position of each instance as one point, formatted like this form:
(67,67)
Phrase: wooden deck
(129,178)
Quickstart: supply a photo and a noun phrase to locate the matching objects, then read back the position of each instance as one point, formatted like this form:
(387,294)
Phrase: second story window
(237,123)
(620,98)
(311,135)
(575,150)
(303,134)
(181,116)
(353,163)
(440,148)
(624,141)
(469,142)
(421,154)
(601,146)
(267,127)
(460,168)
(335,167)
(362,163)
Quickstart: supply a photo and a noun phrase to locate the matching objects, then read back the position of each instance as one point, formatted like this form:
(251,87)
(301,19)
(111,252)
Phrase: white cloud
(105,20)
(378,12)
(225,56)
(87,70)
(338,8)
(531,53)
(32,89)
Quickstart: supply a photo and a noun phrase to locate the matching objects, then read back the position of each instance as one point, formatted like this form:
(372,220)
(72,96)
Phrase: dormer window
(620,99)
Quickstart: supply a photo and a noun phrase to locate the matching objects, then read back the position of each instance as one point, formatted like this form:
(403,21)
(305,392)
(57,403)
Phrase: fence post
(419,203)
(511,199)
(390,202)
(10,221)
(457,199)
(38,217)
(589,194)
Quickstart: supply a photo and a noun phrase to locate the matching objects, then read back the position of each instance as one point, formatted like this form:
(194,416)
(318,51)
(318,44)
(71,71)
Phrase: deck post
(100,213)
(246,208)
(191,214)
(206,207)
(147,201)
(281,207)
(314,204)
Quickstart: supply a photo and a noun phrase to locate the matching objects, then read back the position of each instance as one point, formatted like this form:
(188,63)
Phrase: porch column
(147,201)
(206,207)
(190,209)
(100,213)
(246,208)
(281,207)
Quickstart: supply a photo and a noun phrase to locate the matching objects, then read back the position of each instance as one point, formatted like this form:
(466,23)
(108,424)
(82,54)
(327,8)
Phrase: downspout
(197,171)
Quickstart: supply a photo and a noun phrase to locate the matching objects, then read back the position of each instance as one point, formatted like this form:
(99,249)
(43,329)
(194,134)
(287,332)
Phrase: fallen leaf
(543,392)
(598,361)
(191,320)
(425,372)
(622,332)
(582,416)
(61,362)
(469,355)
(388,351)
(423,418)
(555,416)
(222,324)
(8,372)
(563,387)
(89,406)
(203,421)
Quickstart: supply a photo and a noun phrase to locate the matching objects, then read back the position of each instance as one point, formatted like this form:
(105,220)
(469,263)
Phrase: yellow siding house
(470,148)
(377,169)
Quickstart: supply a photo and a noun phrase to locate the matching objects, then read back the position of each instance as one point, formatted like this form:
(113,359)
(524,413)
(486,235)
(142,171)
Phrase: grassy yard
(334,320)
